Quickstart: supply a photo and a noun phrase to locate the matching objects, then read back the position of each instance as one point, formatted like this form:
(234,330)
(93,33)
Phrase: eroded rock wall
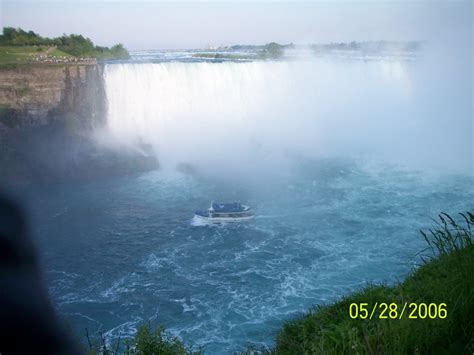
(37,95)
(48,115)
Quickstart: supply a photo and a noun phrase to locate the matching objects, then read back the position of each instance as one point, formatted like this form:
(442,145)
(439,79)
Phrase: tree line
(76,45)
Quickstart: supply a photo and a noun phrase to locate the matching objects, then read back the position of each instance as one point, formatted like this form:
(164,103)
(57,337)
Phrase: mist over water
(237,116)
(342,159)
(124,251)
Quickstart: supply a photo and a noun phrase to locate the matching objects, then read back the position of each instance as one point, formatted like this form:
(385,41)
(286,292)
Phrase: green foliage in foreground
(75,45)
(448,278)
(145,342)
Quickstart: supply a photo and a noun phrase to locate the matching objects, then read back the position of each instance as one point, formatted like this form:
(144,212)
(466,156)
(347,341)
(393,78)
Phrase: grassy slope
(12,55)
(448,279)
(59,53)
(21,54)
(16,54)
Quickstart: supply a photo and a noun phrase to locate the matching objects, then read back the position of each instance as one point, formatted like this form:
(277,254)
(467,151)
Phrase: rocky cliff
(37,95)
(47,118)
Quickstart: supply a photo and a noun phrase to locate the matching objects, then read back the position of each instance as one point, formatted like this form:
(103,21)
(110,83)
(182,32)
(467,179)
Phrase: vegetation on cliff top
(445,277)
(24,54)
(19,46)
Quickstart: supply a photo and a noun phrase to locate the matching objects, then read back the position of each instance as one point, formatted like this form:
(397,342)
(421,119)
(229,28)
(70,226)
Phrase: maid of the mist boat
(226,212)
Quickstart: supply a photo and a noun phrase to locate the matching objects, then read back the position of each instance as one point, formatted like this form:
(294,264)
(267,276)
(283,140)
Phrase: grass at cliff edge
(24,54)
(448,278)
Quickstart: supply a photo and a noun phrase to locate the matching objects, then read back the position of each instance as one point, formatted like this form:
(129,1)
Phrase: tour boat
(226,212)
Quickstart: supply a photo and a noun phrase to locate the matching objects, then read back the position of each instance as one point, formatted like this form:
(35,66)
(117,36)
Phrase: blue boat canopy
(227,207)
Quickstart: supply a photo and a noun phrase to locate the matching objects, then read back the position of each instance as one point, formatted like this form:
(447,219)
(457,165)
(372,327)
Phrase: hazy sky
(196,24)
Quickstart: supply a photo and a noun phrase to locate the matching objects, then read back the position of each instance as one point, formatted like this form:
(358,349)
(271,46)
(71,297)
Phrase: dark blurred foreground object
(28,324)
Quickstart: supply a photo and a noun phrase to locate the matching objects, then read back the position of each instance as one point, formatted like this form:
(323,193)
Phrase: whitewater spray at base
(257,115)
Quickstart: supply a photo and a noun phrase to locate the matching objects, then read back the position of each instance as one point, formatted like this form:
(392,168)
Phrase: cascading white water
(193,111)
(239,114)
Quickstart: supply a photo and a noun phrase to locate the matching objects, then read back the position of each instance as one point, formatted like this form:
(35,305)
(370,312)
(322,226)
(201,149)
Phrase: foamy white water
(256,114)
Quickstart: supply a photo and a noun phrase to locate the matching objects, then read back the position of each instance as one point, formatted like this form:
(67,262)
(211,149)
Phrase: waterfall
(246,115)
(196,112)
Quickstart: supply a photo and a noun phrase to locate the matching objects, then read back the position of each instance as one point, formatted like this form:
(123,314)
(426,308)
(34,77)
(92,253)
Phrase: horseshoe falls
(343,160)
(241,115)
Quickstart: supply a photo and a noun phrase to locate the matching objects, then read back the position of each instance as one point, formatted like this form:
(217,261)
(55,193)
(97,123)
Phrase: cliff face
(37,95)
(47,118)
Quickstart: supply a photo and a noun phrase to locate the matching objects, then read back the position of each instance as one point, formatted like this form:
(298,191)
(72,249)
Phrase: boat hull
(225,219)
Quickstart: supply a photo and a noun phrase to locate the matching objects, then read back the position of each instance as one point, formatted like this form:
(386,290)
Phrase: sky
(198,24)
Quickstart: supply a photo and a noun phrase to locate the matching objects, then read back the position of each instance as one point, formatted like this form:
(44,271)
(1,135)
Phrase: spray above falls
(253,114)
